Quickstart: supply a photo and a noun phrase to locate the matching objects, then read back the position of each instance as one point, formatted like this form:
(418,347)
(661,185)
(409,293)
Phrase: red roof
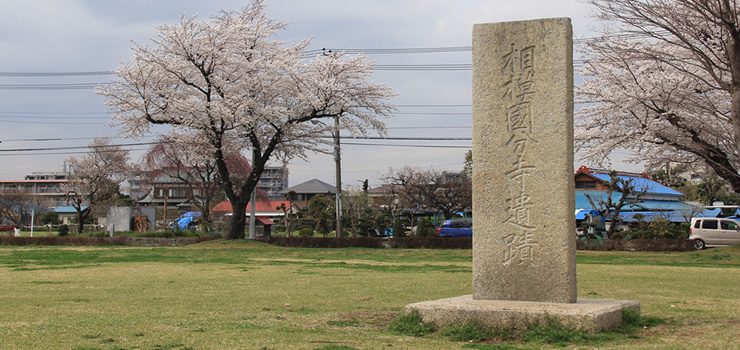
(262,206)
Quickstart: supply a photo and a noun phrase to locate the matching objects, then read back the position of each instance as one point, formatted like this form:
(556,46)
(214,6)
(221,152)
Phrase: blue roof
(672,216)
(642,184)
(583,203)
(665,205)
(66,209)
(709,213)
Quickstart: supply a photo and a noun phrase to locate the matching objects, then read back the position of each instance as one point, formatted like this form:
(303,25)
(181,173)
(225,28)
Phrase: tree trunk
(238,219)
(80,221)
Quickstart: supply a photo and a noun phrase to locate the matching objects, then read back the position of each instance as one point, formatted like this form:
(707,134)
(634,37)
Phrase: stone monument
(524,254)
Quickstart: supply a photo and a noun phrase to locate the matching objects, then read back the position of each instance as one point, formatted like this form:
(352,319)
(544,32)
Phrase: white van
(714,232)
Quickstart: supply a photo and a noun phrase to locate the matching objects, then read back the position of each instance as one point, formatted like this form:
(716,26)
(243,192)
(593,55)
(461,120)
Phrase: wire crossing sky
(55,52)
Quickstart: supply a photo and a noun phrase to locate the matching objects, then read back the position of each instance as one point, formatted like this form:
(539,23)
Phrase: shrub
(63,230)
(398,230)
(50,217)
(658,228)
(422,229)
(306,222)
(305,232)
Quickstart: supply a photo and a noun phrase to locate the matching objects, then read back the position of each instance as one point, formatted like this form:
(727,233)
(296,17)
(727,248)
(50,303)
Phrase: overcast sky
(55,36)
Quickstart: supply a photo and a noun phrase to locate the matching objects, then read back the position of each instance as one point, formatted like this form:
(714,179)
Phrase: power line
(398,138)
(53,113)
(76,147)
(435,105)
(389,145)
(54,74)
(68,86)
(22,151)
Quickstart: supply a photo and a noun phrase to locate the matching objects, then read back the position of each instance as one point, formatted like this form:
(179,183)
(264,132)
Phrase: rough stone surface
(591,315)
(523,189)
(524,249)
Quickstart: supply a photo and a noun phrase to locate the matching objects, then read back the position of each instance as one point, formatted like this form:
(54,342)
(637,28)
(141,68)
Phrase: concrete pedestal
(591,315)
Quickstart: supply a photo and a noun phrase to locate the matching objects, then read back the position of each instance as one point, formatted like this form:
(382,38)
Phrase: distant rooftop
(641,181)
(314,186)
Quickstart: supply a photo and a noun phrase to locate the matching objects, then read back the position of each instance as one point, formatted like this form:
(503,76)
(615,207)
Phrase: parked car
(455,228)
(714,232)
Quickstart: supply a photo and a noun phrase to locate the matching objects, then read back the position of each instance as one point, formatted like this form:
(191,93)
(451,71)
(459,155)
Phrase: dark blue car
(455,228)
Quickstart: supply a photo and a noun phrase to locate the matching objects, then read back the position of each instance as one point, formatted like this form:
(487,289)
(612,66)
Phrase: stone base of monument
(590,315)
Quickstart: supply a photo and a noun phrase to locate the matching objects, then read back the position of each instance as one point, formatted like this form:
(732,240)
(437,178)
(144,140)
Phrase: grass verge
(236,295)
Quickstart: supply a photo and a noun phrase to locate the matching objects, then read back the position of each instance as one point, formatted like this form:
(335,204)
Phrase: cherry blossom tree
(664,82)
(189,162)
(95,179)
(226,81)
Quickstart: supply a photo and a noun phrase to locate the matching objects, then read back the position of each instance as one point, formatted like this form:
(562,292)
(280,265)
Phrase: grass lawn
(248,295)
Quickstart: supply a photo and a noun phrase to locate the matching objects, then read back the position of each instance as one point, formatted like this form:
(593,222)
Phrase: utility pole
(338,161)
(253,203)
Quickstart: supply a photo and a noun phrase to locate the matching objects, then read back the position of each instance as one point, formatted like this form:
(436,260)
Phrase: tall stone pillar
(524,254)
(523,189)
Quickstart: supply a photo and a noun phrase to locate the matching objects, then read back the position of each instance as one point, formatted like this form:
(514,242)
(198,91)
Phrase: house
(265,211)
(384,196)
(309,189)
(656,200)
(67,213)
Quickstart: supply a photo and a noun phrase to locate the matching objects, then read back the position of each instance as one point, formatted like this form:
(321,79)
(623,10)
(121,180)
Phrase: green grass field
(248,295)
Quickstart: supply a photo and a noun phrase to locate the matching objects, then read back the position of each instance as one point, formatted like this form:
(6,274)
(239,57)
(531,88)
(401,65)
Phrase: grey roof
(311,186)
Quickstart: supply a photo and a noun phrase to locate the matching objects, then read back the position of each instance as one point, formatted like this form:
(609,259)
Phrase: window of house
(585,184)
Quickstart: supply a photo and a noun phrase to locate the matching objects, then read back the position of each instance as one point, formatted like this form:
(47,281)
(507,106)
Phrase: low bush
(658,228)
(63,230)
(305,232)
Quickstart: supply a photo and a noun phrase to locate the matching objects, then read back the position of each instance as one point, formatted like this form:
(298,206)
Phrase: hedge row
(333,242)
(103,241)
(676,245)
(371,242)
(642,245)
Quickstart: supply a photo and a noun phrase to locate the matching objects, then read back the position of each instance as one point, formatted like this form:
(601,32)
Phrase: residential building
(309,189)
(266,212)
(45,187)
(656,200)
(273,181)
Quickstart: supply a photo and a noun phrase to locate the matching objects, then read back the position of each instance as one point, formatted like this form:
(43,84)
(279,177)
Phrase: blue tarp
(581,213)
(185,220)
